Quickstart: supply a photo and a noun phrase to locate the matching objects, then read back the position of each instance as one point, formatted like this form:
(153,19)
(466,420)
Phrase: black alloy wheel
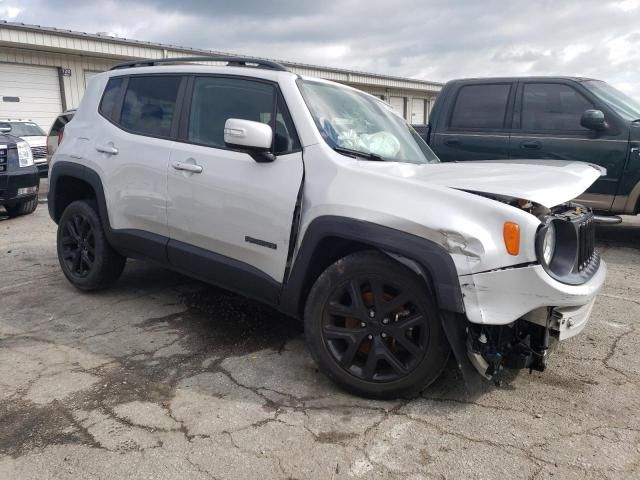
(85,255)
(78,245)
(374,329)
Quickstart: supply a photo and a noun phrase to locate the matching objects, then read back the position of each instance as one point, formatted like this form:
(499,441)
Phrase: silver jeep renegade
(319,200)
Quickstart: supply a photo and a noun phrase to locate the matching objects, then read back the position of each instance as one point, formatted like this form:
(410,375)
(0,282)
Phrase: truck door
(474,122)
(547,125)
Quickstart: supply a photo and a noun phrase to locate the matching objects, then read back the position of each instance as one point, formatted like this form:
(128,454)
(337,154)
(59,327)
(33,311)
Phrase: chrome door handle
(635,150)
(187,167)
(109,149)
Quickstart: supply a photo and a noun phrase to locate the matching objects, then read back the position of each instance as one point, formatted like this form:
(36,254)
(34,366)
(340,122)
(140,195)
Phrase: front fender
(435,261)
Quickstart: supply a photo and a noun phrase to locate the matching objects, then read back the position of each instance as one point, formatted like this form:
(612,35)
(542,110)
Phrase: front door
(230,213)
(547,126)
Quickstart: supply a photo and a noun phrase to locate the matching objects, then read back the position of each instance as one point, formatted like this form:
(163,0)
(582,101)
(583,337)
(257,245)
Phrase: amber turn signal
(511,234)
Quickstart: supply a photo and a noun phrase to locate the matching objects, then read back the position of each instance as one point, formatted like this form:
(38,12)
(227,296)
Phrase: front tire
(372,327)
(86,258)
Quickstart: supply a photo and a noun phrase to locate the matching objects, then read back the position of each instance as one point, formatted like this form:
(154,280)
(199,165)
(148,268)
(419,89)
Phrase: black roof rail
(231,61)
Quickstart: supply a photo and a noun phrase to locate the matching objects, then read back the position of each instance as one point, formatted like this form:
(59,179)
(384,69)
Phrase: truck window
(481,107)
(552,106)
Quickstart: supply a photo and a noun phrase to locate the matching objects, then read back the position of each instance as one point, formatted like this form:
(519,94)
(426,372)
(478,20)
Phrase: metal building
(44,71)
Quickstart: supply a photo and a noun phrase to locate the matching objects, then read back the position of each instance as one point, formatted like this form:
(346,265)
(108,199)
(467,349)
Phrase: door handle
(534,145)
(187,167)
(453,141)
(109,149)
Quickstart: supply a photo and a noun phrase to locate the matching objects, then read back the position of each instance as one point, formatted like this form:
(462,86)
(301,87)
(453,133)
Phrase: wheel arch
(329,238)
(69,182)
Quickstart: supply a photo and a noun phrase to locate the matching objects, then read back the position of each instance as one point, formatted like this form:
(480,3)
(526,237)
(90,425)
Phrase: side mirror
(255,138)
(5,128)
(593,120)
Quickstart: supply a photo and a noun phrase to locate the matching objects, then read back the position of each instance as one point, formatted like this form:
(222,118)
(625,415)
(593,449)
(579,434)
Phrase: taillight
(60,136)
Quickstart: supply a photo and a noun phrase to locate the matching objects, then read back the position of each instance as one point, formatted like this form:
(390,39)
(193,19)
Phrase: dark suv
(545,118)
(19,178)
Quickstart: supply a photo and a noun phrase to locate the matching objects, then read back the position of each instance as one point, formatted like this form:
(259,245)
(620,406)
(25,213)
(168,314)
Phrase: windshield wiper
(358,153)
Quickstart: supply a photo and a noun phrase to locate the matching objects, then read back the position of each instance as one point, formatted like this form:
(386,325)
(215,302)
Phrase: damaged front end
(516,315)
(521,344)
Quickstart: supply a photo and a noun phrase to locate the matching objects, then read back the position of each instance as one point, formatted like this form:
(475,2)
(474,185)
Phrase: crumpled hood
(546,182)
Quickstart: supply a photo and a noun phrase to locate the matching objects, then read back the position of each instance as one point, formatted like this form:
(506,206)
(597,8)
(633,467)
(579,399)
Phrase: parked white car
(319,200)
(31,133)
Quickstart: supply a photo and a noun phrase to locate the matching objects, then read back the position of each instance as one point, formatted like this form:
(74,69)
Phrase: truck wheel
(22,208)
(372,327)
(86,258)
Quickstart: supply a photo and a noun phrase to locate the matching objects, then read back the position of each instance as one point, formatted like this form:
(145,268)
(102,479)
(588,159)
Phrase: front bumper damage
(503,296)
(516,315)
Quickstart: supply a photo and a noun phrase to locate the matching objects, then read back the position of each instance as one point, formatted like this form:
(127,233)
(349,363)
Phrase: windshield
(623,104)
(356,124)
(23,129)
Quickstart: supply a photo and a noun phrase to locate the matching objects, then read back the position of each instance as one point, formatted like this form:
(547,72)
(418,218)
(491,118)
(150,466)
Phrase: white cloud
(9,11)
(435,39)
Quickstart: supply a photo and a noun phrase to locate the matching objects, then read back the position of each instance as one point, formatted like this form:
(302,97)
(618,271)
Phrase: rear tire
(372,327)
(85,256)
(22,208)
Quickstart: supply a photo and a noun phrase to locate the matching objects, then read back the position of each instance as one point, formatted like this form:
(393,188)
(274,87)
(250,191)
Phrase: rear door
(234,214)
(131,148)
(547,126)
(475,122)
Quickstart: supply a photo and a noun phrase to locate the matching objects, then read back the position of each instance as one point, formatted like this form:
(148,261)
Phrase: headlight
(549,243)
(25,157)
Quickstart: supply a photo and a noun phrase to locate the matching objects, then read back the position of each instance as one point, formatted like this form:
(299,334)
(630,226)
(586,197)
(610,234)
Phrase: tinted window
(215,100)
(548,106)
(24,129)
(149,105)
(110,97)
(481,107)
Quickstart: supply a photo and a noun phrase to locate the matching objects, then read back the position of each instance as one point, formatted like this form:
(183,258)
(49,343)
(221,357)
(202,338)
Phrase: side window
(549,106)
(481,107)
(215,100)
(149,105)
(110,97)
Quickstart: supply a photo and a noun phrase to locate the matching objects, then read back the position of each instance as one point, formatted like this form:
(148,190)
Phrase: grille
(586,242)
(39,152)
(3,158)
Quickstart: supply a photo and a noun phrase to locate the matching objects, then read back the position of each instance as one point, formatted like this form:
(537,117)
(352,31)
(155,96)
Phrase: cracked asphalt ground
(164,377)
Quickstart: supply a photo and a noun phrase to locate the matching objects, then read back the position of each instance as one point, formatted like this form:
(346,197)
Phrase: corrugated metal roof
(156,50)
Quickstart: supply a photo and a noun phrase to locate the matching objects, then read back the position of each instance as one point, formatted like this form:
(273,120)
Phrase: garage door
(397,103)
(30,93)
(417,111)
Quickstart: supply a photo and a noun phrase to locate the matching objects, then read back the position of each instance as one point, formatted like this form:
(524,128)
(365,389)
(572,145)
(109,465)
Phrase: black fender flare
(432,258)
(80,172)
(128,242)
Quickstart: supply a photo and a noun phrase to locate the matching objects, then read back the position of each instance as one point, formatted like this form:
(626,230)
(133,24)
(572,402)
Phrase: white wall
(73,85)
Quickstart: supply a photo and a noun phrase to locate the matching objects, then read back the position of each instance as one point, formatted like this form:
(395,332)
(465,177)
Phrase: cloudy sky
(429,39)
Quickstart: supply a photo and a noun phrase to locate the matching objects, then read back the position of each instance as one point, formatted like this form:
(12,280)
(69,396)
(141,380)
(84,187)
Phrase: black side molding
(225,272)
(435,261)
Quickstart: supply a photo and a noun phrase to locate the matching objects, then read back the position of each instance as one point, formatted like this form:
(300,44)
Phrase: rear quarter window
(110,97)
